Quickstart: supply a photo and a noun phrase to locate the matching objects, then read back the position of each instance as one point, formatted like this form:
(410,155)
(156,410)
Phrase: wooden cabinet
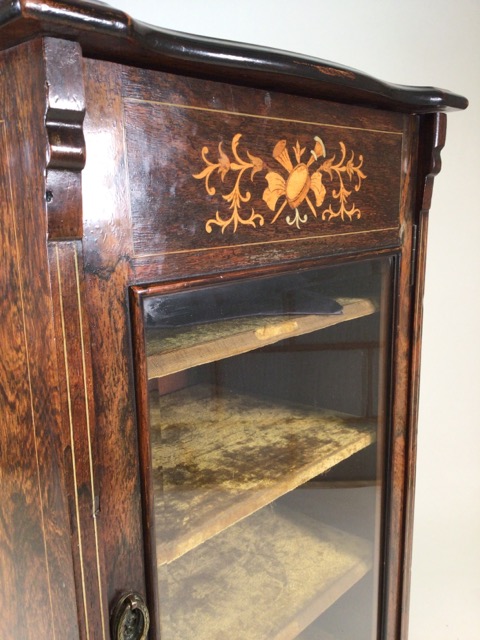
(211,286)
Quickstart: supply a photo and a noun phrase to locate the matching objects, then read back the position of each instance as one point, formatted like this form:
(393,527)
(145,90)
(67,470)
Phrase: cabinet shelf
(270,576)
(192,346)
(217,459)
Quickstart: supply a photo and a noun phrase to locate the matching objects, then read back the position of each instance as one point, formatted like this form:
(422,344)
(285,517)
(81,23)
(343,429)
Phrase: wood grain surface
(37,591)
(105,279)
(75,386)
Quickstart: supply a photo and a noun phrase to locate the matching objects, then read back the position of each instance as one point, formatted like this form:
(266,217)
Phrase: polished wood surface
(37,583)
(76,393)
(106,276)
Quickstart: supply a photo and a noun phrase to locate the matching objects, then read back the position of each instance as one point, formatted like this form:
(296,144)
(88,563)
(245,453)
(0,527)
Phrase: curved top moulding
(109,34)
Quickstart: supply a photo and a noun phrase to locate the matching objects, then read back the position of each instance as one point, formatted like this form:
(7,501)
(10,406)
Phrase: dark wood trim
(400,387)
(432,141)
(166,286)
(145,456)
(109,34)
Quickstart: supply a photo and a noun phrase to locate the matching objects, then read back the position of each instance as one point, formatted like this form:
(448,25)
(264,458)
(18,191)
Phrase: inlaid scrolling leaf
(340,170)
(235,197)
(299,189)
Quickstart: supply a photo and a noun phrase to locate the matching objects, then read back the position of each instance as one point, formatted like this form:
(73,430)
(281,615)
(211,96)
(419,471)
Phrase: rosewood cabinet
(212,261)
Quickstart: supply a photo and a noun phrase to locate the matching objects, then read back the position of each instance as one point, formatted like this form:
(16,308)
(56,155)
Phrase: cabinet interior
(266,437)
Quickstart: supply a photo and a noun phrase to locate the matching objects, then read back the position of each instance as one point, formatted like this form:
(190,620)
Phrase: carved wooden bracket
(66,154)
(435,136)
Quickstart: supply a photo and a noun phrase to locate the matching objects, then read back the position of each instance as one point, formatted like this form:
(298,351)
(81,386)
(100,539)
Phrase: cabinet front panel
(264,426)
(211,166)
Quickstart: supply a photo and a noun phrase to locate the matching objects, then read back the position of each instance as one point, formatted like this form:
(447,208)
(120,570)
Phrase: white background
(423,42)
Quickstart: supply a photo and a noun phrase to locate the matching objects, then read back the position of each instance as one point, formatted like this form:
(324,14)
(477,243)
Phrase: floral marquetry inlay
(300,187)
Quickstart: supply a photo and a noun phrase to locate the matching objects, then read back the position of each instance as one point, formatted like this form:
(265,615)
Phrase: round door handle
(130,619)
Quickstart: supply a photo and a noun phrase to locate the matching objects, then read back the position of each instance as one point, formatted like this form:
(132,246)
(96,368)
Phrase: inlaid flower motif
(296,187)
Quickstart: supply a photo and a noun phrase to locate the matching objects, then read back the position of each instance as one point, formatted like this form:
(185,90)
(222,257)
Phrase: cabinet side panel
(36,575)
(401,426)
(431,141)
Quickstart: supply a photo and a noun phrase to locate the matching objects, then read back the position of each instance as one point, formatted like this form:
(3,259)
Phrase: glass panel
(267,435)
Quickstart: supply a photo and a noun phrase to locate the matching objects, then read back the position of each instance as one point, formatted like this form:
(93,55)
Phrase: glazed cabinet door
(264,431)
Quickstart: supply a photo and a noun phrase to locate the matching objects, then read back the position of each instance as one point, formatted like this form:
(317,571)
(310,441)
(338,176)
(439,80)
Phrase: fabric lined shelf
(218,459)
(268,577)
(170,352)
